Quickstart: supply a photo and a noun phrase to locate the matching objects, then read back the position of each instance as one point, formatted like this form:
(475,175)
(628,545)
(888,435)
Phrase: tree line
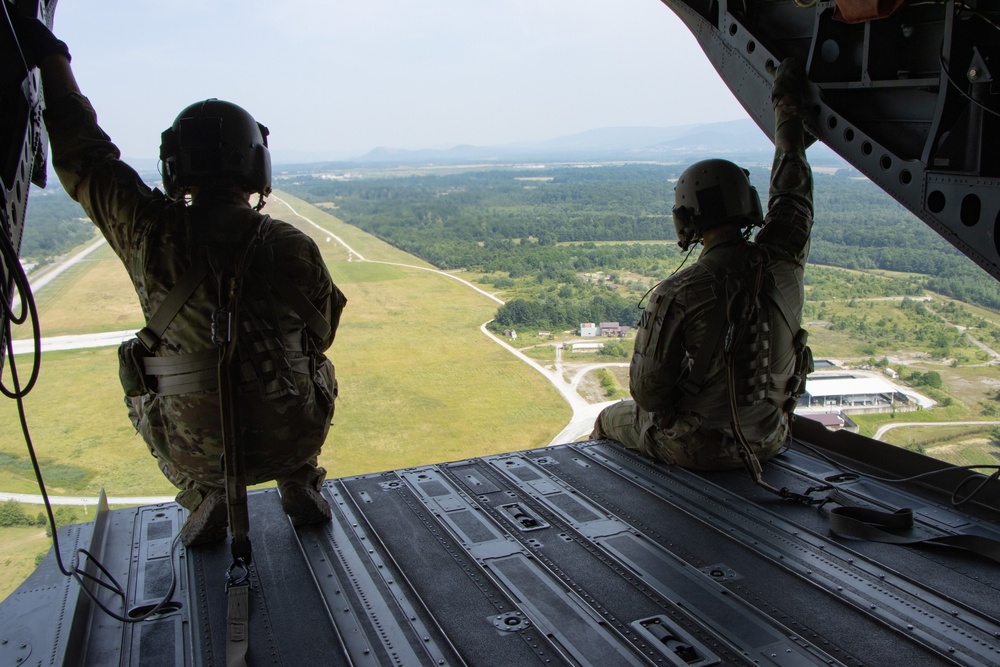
(54,224)
(544,227)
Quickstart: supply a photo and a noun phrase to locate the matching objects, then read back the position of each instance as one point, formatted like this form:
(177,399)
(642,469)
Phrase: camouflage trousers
(281,440)
(697,449)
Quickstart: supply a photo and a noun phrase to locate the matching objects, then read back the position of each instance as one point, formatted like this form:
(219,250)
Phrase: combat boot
(304,503)
(209,522)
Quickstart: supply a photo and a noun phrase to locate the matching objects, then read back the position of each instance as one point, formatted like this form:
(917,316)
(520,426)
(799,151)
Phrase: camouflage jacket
(158,240)
(685,302)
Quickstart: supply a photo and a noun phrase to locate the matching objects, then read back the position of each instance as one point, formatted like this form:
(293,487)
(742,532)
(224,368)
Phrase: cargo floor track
(578,554)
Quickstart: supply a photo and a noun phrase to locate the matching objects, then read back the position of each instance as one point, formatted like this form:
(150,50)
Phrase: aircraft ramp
(577,554)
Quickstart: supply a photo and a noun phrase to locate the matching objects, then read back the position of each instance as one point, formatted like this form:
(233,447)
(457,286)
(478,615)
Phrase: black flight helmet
(215,143)
(712,193)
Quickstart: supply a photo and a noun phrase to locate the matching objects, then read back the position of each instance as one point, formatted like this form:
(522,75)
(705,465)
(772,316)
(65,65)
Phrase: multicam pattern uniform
(678,434)
(157,240)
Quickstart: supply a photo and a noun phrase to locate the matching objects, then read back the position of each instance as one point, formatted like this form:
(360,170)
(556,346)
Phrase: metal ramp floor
(579,554)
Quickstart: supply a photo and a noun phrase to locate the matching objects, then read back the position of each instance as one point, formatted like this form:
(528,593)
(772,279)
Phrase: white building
(855,392)
(589,330)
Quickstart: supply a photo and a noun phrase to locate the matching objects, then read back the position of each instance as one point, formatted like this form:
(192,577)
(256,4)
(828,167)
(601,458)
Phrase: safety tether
(225,331)
(738,324)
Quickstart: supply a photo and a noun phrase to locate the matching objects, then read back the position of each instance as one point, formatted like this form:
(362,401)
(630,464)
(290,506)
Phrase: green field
(19,547)
(93,296)
(958,445)
(419,383)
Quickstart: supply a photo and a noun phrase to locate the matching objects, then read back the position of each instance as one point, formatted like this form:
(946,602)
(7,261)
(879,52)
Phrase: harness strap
(237,591)
(298,301)
(182,363)
(202,381)
(645,433)
(238,575)
(778,299)
(176,298)
(234,465)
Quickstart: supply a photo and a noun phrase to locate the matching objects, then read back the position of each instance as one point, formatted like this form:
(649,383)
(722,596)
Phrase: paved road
(74,342)
(888,427)
(579,426)
(50,274)
(84,501)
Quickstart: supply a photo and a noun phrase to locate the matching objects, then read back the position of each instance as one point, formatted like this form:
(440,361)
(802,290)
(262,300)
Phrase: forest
(54,225)
(583,243)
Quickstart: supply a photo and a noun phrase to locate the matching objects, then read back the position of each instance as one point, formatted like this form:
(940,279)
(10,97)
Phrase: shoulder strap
(290,292)
(176,298)
(298,301)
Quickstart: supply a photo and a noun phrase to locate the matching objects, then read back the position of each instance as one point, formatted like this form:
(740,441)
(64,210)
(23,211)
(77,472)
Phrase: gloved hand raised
(789,80)
(36,41)
(788,99)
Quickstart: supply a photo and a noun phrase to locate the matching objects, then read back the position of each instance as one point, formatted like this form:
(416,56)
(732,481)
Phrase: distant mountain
(737,140)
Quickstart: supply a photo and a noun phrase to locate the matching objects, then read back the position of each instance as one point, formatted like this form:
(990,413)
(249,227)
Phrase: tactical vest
(740,334)
(266,355)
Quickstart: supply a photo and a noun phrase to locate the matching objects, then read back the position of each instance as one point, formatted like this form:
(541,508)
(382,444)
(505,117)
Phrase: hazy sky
(340,77)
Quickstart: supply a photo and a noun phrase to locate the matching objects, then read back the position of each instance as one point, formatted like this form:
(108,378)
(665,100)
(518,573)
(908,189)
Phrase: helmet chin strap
(260,201)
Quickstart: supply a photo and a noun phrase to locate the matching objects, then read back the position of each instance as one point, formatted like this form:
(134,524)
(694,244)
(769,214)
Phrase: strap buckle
(238,573)
(807,497)
(222,322)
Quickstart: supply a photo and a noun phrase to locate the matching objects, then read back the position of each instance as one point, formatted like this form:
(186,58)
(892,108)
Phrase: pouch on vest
(651,377)
(803,367)
(130,368)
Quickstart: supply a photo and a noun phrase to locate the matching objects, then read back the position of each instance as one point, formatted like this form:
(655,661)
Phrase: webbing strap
(298,302)
(182,363)
(237,625)
(778,299)
(176,298)
(864,523)
(236,486)
(238,576)
(182,373)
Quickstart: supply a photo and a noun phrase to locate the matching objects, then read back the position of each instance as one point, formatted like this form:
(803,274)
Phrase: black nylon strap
(864,523)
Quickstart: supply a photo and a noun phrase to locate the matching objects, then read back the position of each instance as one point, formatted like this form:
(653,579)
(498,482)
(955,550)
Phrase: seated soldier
(201,261)
(720,357)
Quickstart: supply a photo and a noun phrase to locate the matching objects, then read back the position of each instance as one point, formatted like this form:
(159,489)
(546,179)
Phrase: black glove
(789,79)
(36,40)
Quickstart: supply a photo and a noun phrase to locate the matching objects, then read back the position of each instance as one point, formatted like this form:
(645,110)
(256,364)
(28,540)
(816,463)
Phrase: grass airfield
(419,383)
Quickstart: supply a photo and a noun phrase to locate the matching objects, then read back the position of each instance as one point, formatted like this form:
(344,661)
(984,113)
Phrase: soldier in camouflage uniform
(692,426)
(217,154)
